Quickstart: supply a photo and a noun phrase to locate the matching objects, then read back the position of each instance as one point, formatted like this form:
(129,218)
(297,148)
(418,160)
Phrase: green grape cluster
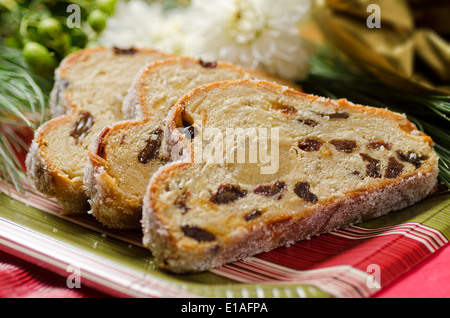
(41,30)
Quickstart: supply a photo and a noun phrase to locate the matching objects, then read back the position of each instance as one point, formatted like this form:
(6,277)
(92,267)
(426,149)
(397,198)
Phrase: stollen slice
(311,165)
(88,94)
(129,152)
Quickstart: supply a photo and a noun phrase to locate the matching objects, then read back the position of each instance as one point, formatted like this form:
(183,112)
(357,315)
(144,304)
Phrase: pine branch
(23,107)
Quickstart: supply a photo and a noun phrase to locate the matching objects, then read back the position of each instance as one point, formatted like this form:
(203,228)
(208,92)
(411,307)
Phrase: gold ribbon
(409,50)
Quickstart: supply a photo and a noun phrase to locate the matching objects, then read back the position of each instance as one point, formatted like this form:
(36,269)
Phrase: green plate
(116,262)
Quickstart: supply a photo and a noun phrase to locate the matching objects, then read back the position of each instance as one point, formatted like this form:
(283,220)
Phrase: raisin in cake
(88,94)
(127,153)
(335,163)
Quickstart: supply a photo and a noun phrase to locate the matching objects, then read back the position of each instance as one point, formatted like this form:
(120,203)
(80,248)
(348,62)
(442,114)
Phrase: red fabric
(429,279)
(20,279)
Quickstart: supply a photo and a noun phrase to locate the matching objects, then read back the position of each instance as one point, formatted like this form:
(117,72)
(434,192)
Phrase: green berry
(106,6)
(62,43)
(49,27)
(72,49)
(12,42)
(97,20)
(79,37)
(39,58)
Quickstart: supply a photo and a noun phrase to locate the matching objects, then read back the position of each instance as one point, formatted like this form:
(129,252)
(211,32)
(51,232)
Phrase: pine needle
(23,106)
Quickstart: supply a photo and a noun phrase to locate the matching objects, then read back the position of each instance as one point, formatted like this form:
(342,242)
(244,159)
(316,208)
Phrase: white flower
(262,34)
(140,24)
(169,34)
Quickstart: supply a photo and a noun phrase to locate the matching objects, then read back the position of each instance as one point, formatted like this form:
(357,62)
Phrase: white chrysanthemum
(261,34)
(140,24)
(169,35)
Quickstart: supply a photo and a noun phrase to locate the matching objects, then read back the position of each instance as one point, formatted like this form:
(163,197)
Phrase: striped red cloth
(413,256)
(22,279)
(341,263)
(429,279)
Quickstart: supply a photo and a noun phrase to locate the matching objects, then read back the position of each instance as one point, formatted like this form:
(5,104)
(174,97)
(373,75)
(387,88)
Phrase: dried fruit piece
(343,115)
(228,193)
(271,189)
(198,233)
(129,51)
(189,130)
(379,145)
(252,215)
(101,145)
(288,110)
(180,202)
(152,145)
(309,122)
(394,169)
(208,64)
(344,145)
(82,126)
(373,166)
(302,190)
(412,157)
(122,140)
(336,115)
(310,144)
